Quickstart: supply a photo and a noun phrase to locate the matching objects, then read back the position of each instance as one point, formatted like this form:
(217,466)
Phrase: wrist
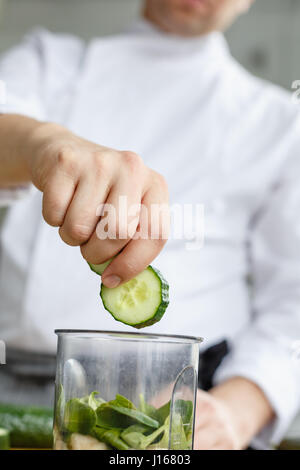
(38,137)
(17,149)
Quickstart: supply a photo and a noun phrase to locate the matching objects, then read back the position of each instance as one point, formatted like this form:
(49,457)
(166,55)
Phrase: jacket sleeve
(34,77)
(268,350)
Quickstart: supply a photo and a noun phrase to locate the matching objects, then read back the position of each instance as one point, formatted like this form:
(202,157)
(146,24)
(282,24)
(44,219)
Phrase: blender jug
(125,390)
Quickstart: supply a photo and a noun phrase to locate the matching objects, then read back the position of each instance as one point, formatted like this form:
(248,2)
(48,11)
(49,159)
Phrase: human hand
(77,177)
(230,415)
(214,429)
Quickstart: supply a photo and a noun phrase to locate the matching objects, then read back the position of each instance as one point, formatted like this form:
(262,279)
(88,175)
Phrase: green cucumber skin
(158,314)
(99,268)
(4,439)
(29,427)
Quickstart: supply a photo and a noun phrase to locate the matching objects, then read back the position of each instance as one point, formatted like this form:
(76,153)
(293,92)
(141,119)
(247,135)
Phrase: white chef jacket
(222,138)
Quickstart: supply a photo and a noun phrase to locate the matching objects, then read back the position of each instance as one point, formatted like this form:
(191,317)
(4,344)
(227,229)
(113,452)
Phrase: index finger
(133,259)
(149,240)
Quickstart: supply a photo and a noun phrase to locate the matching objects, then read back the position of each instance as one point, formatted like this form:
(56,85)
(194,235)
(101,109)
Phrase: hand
(230,415)
(76,177)
(214,429)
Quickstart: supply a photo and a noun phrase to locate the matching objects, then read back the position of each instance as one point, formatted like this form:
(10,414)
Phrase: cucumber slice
(99,268)
(140,302)
(4,439)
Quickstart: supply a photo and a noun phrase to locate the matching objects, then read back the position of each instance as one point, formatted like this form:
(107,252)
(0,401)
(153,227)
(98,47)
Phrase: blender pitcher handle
(182,410)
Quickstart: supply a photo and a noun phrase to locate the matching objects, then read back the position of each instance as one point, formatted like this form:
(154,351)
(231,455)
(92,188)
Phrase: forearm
(249,408)
(15,137)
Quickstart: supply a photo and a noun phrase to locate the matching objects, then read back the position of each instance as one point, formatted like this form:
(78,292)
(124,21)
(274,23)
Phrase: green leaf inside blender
(120,425)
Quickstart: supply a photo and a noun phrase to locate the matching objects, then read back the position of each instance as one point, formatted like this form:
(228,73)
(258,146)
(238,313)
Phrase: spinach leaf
(78,417)
(133,439)
(115,416)
(135,434)
(185,410)
(163,412)
(164,442)
(92,401)
(108,418)
(189,439)
(178,437)
(183,407)
(136,415)
(137,428)
(60,405)
(148,440)
(147,409)
(110,437)
(122,401)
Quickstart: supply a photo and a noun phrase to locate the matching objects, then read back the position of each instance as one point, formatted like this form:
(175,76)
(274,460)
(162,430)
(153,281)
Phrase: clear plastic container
(125,390)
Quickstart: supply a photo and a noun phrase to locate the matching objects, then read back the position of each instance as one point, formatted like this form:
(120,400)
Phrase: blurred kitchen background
(266,41)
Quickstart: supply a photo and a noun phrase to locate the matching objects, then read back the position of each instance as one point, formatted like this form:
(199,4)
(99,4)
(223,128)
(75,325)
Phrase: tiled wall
(267,40)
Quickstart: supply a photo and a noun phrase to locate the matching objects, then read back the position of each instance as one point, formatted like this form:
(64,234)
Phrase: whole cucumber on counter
(29,427)
(4,439)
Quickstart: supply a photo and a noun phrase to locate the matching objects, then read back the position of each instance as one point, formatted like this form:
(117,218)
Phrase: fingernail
(111,281)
